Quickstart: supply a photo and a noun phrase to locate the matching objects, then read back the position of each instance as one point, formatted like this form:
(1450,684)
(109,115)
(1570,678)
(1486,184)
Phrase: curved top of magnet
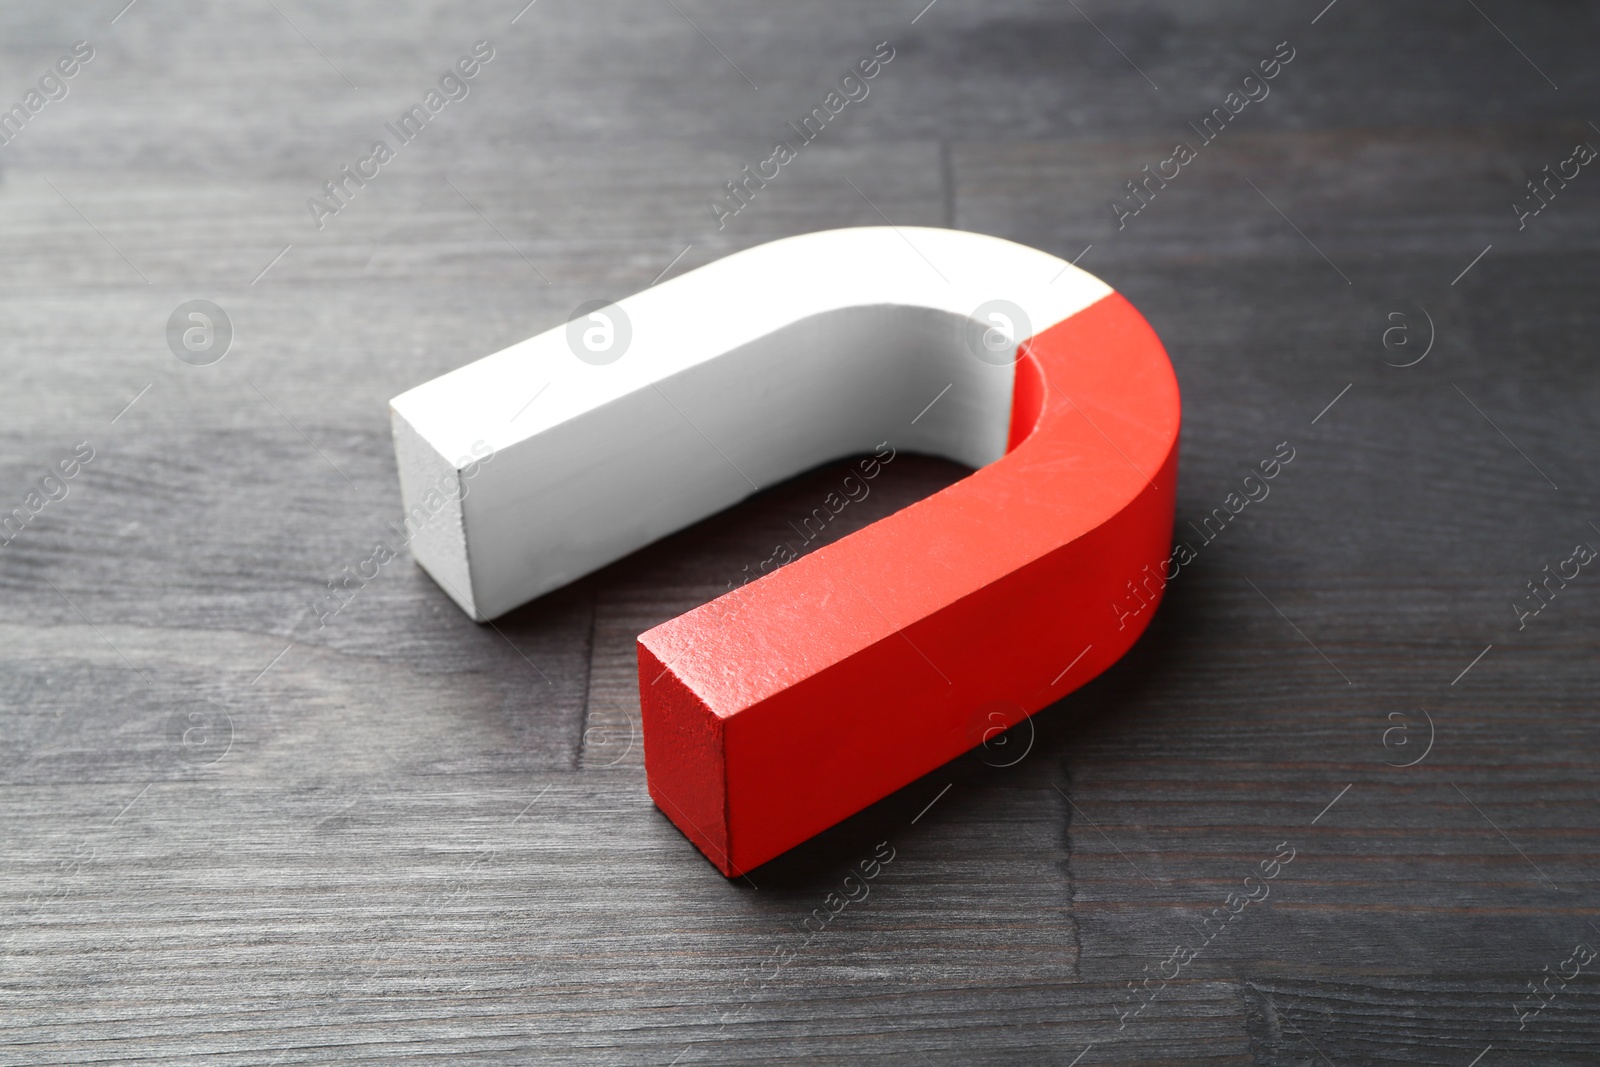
(742,373)
(730,304)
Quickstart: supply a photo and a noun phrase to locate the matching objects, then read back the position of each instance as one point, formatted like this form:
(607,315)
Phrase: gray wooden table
(229,836)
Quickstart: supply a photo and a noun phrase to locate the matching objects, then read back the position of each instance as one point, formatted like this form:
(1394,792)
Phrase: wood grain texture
(403,837)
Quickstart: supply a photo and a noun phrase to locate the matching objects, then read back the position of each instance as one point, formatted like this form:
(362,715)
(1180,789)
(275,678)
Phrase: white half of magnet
(532,467)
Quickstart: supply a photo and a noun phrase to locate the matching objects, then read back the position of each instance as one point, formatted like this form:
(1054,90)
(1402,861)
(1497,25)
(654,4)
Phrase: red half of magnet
(789,704)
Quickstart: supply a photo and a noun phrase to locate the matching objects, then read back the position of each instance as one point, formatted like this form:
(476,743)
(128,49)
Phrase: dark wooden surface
(431,840)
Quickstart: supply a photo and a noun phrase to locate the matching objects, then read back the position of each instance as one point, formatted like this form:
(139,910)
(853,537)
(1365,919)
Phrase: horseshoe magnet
(794,701)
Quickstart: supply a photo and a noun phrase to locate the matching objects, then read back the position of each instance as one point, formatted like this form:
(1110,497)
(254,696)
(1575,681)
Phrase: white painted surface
(739,375)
